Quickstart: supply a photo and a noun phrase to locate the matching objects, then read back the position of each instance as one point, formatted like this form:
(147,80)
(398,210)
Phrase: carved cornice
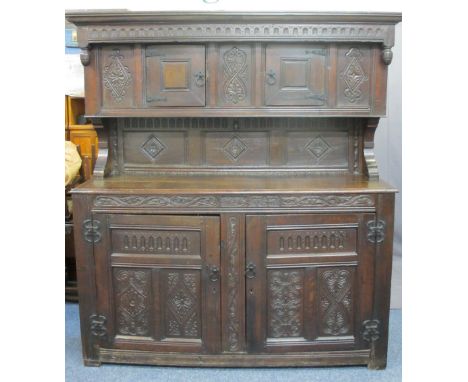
(323,32)
(244,201)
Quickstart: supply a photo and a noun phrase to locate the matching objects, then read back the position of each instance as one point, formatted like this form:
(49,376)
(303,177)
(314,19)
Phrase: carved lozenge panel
(182,304)
(354,76)
(132,296)
(156,242)
(117,73)
(312,241)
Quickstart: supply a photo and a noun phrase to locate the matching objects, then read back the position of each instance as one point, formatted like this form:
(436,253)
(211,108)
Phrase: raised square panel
(294,74)
(175,75)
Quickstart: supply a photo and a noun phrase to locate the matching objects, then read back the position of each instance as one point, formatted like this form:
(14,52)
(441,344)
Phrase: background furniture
(235,216)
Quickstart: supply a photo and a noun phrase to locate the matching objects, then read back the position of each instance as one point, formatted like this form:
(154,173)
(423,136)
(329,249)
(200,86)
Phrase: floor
(76,372)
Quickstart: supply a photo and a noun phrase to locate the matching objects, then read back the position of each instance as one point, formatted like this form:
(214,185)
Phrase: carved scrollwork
(235,67)
(249,201)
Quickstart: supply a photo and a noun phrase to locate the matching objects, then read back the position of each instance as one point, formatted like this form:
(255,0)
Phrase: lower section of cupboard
(331,358)
(235,289)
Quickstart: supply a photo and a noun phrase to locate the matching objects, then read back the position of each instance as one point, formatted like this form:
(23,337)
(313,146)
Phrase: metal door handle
(199,79)
(271,77)
(214,273)
(250,271)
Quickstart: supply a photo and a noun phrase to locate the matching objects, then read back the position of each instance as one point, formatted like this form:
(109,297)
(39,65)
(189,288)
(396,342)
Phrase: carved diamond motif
(353,75)
(318,147)
(152,147)
(234,148)
(116,76)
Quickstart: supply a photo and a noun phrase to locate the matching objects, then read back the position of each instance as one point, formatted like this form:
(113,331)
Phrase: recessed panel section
(327,149)
(154,148)
(175,75)
(236,148)
(312,241)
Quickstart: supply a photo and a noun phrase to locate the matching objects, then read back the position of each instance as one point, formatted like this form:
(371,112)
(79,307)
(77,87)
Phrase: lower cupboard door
(308,282)
(158,282)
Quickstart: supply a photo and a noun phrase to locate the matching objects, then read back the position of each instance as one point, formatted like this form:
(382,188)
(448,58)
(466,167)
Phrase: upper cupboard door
(175,75)
(296,75)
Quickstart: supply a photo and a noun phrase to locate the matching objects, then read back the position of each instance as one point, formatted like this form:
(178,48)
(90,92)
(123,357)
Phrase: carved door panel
(175,75)
(158,282)
(296,75)
(308,282)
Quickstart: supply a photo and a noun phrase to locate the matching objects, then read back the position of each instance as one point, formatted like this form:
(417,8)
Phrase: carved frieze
(245,31)
(247,201)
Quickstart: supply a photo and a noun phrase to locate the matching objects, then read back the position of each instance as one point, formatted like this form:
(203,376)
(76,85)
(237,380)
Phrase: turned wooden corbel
(372,169)
(387,54)
(85,56)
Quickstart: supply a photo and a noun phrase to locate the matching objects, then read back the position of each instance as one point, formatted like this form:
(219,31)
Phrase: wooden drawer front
(296,75)
(302,281)
(175,75)
(162,292)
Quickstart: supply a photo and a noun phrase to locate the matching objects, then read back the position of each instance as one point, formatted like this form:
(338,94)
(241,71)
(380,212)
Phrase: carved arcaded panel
(157,242)
(182,307)
(285,303)
(248,201)
(336,301)
(250,31)
(312,241)
(133,301)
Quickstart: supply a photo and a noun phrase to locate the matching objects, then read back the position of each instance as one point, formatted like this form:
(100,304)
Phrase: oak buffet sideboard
(235,216)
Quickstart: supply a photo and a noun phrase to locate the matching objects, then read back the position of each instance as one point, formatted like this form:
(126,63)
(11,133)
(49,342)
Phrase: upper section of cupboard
(227,64)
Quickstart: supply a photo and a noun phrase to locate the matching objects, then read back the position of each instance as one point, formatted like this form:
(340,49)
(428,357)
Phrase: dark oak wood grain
(235,216)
